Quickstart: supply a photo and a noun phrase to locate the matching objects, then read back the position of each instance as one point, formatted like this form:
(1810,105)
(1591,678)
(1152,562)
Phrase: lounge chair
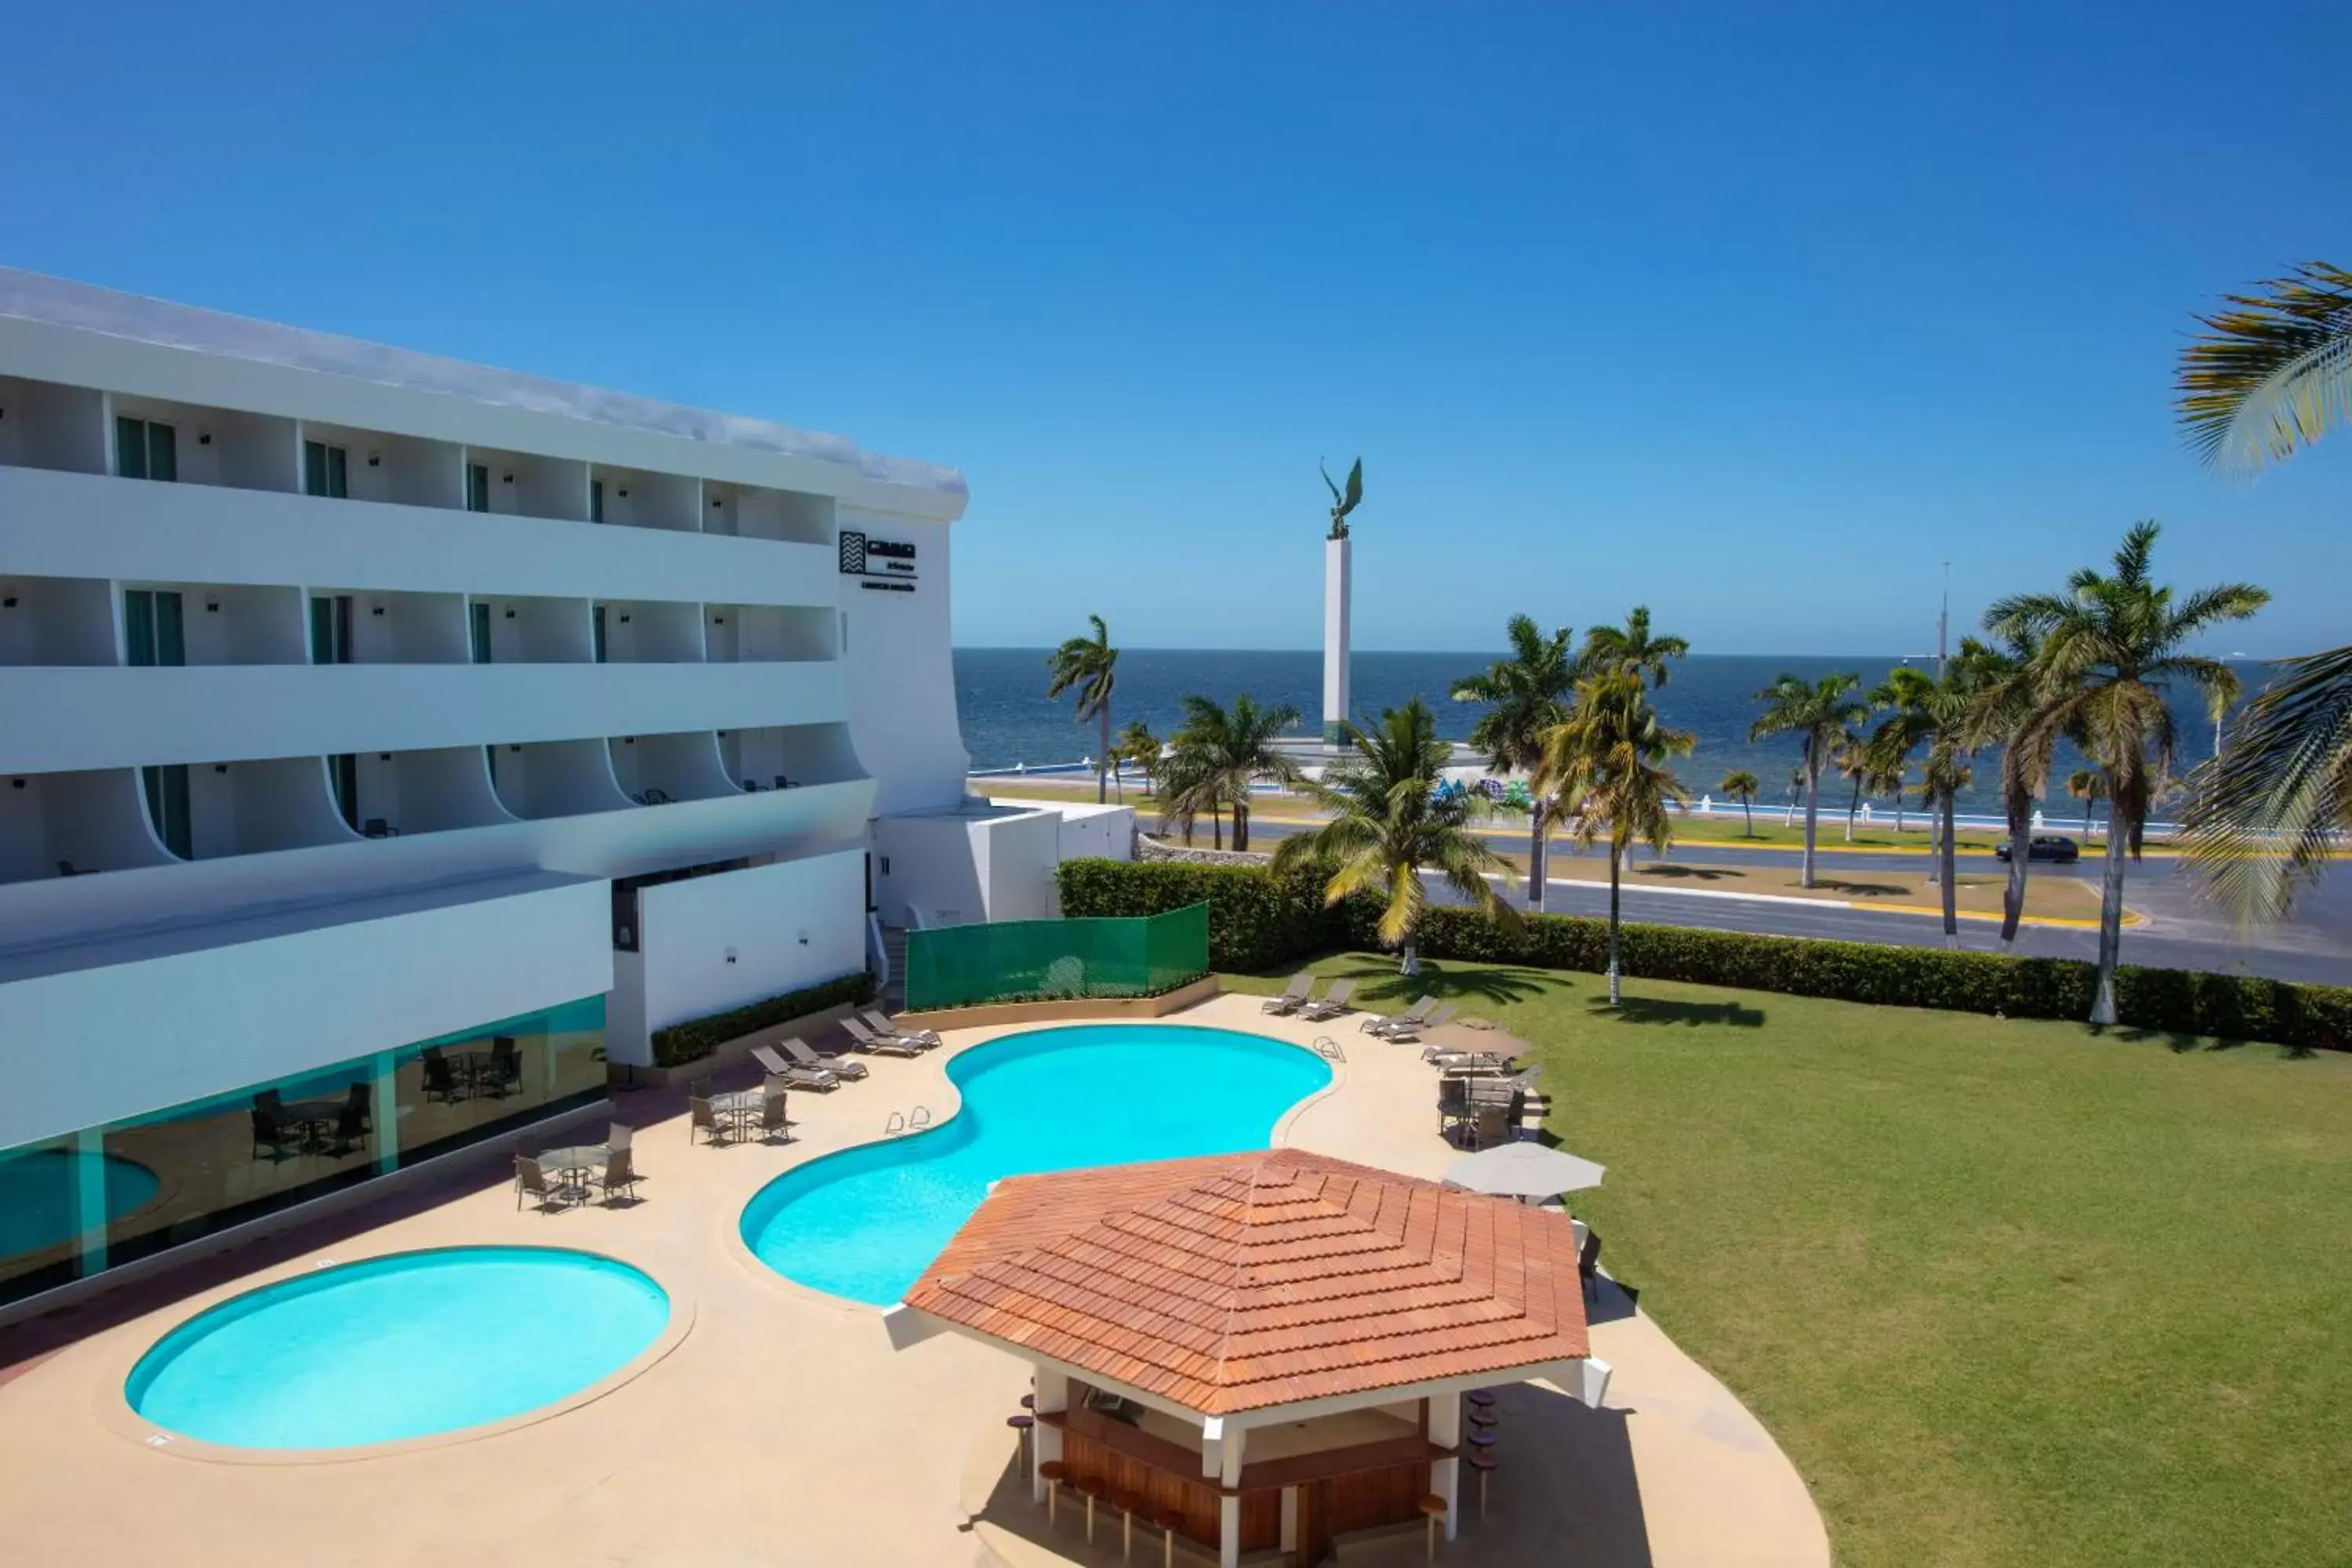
(1475,1063)
(1294,996)
(807,1060)
(1411,1018)
(865,1039)
(795,1075)
(1410,1034)
(1332,1003)
(531,1182)
(881,1023)
(618,1175)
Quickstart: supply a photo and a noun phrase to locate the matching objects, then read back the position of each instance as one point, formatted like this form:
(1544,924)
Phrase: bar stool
(1433,1508)
(1091,1488)
(1482,1419)
(1483,1460)
(1053,1472)
(1167,1518)
(1021,1426)
(1028,1402)
(1482,1398)
(1127,1503)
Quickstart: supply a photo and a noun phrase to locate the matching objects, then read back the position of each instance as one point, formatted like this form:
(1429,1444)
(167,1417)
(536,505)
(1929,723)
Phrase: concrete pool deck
(783,1428)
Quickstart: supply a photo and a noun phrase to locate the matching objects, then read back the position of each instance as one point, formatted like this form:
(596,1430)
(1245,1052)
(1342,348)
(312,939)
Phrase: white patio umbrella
(1524,1171)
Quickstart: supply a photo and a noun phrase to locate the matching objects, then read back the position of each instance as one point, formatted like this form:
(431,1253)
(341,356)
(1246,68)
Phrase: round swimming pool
(38,1191)
(863,1222)
(399,1347)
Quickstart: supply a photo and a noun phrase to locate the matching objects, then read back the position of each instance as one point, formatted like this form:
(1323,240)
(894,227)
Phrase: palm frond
(2264,815)
(2272,373)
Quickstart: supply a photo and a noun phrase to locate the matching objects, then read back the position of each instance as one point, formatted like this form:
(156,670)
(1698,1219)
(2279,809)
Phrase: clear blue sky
(1754,312)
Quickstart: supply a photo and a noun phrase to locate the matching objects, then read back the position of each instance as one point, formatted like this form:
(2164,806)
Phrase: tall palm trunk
(1616,966)
(2020,854)
(1952,891)
(1102,761)
(1410,962)
(1241,823)
(1813,812)
(2111,920)
(1536,847)
(1853,808)
(1217,827)
(1749,815)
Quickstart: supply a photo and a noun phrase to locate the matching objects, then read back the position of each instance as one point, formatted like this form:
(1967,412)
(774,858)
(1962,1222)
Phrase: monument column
(1337,589)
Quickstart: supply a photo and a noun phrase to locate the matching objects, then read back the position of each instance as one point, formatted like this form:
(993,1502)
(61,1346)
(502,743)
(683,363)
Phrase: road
(2181,933)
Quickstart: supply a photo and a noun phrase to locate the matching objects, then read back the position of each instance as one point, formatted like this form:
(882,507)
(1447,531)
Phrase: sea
(1008,721)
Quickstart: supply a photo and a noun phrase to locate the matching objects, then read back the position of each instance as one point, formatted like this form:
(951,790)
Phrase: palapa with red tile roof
(1239,1282)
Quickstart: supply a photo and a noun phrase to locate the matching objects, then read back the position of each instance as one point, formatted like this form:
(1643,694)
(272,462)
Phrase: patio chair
(531,1182)
(771,1113)
(440,1078)
(865,1039)
(1588,1264)
(505,1069)
(618,1175)
(1453,1106)
(362,1095)
(617,1137)
(1333,1003)
(350,1127)
(703,1117)
(269,1133)
(883,1024)
(1492,1127)
(1411,1018)
(1294,996)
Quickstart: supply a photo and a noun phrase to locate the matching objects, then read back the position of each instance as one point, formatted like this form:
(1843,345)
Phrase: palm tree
(1741,785)
(2089,787)
(1525,694)
(1139,748)
(1818,712)
(1221,753)
(1850,756)
(1632,647)
(2271,374)
(1085,666)
(2108,646)
(2003,702)
(1387,823)
(1607,764)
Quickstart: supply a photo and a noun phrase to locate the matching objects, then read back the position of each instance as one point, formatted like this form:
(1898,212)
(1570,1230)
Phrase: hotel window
(596,631)
(330,629)
(144,449)
(595,500)
(479,628)
(166,789)
(326,470)
(478,487)
(152,630)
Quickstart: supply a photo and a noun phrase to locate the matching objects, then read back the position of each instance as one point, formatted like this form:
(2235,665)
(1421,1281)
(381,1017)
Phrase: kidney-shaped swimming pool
(863,1222)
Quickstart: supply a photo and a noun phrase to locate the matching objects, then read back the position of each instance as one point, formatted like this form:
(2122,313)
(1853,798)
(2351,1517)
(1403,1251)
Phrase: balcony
(248,807)
(639,631)
(371,626)
(74,824)
(660,770)
(341,462)
(631,498)
(789,756)
(555,778)
(56,620)
(45,426)
(394,794)
(210,624)
(190,444)
(767,634)
(750,511)
(518,484)
(531,630)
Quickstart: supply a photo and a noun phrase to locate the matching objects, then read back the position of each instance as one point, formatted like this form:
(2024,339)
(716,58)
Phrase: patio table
(576,1160)
(741,1107)
(309,1116)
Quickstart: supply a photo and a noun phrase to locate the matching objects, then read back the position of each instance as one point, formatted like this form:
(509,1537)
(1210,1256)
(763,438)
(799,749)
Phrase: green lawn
(2006,1291)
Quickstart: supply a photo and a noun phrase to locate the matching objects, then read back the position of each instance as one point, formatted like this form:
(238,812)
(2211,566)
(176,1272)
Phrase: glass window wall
(76,1205)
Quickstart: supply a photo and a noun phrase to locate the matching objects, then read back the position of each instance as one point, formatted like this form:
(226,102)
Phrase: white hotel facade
(389,745)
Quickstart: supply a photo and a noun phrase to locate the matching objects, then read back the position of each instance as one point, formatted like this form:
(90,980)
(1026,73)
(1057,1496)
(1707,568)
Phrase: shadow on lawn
(1689,1015)
(1380,984)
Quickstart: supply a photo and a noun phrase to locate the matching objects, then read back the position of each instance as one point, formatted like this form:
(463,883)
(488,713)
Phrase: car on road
(2049,846)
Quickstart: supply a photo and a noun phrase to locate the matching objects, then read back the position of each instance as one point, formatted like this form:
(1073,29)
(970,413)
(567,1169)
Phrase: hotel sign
(887,565)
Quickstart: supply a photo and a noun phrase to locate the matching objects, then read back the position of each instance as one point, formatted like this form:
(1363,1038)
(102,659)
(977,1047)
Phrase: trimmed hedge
(1255,918)
(698,1037)
(1278,920)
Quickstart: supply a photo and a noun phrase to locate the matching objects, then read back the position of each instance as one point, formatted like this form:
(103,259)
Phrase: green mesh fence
(958,966)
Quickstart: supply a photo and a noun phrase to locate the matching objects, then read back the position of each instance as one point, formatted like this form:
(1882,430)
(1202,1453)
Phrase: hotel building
(390,745)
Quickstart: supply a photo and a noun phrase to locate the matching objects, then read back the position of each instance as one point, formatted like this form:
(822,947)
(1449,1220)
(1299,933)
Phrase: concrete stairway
(893,947)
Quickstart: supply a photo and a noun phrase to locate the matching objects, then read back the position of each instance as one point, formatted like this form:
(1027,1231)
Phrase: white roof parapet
(61,302)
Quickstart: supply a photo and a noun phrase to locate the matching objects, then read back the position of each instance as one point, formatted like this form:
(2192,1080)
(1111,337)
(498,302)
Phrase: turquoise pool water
(399,1347)
(863,1222)
(37,1195)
